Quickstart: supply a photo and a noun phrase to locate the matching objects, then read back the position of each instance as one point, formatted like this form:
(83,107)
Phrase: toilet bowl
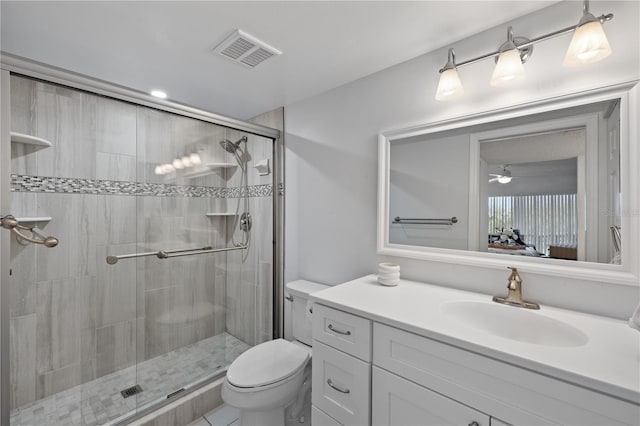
(271,382)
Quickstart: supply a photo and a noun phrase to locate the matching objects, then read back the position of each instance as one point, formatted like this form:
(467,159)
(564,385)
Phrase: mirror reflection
(545,186)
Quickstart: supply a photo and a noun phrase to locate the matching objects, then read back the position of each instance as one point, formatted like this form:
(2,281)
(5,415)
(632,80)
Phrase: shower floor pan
(99,402)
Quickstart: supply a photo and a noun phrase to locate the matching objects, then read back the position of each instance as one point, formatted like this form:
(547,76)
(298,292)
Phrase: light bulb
(168,168)
(177,164)
(158,94)
(159,170)
(509,68)
(504,179)
(195,159)
(589,44)
(186,161)
(449,86)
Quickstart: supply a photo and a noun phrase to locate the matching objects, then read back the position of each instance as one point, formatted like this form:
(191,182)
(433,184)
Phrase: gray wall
(75,318)
(332,153)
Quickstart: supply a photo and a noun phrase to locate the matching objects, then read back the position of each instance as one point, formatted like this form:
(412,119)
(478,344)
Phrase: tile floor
(99,402)
(221,416)
(228,416)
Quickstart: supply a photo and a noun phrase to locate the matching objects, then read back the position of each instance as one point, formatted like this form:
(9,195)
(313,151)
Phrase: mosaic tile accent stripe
(27,183)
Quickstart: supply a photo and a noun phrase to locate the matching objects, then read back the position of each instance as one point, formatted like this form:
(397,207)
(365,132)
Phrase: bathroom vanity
(419,354)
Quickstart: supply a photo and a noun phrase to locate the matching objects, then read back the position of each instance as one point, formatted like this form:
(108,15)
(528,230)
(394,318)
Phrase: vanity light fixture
(509,67)
(588,45)
(449,86)
(177,164)
(195,159)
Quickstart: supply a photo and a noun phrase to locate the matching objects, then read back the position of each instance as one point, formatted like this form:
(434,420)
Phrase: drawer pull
(338,388)
(474,423)
(335,330)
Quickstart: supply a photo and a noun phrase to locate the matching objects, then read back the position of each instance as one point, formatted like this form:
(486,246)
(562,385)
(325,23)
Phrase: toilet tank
(299,291)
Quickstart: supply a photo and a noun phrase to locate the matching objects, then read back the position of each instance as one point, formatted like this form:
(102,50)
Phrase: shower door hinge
(281,188)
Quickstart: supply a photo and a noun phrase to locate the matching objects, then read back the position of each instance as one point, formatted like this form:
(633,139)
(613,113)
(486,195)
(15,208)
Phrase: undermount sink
(514,323)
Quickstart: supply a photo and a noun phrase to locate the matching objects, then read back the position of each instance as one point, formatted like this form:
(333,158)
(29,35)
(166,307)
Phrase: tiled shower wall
(249,289)
(75,318)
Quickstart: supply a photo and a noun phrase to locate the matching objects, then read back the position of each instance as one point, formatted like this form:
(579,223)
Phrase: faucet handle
(514,279)
(514,273)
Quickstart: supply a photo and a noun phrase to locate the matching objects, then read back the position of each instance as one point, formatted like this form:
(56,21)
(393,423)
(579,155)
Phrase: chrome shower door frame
(17,65)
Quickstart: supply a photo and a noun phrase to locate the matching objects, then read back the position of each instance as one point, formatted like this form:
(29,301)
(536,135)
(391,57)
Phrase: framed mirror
(550,187)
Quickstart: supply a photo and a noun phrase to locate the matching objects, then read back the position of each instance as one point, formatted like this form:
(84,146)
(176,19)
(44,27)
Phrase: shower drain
(133,390)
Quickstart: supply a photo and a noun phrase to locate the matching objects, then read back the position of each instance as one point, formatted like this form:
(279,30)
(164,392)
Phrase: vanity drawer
(347,332)
(320,418)
(511,393)
(341,385)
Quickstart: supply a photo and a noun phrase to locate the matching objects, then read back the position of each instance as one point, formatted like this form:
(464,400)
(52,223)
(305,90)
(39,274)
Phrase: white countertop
(609,362)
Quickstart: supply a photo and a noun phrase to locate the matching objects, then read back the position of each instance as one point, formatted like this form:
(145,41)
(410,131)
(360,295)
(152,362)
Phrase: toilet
(271,382)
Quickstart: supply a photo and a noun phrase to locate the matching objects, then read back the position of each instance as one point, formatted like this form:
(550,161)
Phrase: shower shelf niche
(209,168)
(29,140)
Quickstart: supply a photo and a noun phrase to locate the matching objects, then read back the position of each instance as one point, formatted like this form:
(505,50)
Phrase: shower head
(232,147)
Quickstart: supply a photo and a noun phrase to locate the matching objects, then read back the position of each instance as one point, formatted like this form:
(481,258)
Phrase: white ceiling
(147,44)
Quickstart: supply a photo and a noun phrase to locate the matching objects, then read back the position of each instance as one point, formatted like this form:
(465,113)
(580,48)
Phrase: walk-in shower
(161,275)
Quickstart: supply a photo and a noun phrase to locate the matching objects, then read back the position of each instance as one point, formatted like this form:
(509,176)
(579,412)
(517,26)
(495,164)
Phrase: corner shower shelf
(34,219)
(220,214)
(208,168)
(29,140)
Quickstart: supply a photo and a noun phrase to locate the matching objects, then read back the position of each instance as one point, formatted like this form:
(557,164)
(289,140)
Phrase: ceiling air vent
(245,49)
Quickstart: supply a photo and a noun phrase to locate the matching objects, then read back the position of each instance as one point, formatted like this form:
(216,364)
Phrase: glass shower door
(73,319)
(211,299)
(101,327)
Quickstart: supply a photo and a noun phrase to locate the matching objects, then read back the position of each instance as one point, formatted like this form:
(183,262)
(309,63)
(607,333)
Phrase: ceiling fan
(504,177)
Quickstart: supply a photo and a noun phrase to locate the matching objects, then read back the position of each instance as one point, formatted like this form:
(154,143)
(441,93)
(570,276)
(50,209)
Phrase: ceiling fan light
(589,44)
(504,179)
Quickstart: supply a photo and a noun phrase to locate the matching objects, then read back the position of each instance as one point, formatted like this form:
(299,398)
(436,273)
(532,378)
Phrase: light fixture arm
(451,61)
(602,18)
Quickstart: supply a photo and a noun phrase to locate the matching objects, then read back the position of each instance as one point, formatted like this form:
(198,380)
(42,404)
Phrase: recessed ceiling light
(158,94)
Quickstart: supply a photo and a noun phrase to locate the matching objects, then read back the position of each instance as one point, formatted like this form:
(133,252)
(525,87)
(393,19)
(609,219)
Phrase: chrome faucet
(514,296)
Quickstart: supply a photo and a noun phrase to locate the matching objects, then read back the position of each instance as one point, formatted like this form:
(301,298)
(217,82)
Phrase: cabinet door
(397,401)
(341,385)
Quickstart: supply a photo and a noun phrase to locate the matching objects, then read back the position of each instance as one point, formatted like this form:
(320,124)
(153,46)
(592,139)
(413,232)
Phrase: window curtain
(542,220)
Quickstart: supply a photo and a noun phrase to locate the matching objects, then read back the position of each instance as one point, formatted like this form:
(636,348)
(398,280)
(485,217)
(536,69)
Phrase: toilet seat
(266,364)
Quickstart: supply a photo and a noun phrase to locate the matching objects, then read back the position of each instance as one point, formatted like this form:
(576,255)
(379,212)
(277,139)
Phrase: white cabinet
(349,333)
(401,402)
(341,376)
(366,372)
(512,394)
(341,385)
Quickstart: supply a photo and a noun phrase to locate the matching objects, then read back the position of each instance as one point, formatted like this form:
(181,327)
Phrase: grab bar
(11,223)
(414,221)
(166,254)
